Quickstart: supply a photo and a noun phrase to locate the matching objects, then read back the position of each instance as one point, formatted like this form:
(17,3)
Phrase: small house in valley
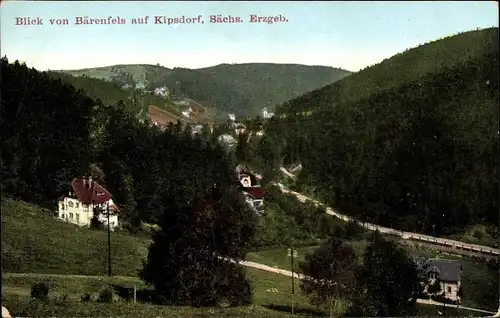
(254,193)
(255,198)
(443,278)
(85,198)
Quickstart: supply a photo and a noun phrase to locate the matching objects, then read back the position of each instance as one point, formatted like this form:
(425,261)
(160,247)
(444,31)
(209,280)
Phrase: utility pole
(291,252)
(293,283)
(444,300)
(498,196)
(109,243)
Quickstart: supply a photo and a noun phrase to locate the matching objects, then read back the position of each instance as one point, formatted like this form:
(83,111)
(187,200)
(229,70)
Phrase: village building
(443,277)
(254,193)
(446,273)
(254,197)
(266,114)
(85,197)
(239,128)
(227,140)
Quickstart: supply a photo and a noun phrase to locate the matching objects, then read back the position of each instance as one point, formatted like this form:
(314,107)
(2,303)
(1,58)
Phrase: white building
(227,140)
(232,117)
(187,113)
(239,128)
(197,129)
(77,206)
(266,114)
(161,91)
(254,193)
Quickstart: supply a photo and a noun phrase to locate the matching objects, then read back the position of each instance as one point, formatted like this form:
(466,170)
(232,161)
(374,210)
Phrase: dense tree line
(52,133)
(420,157)
(45,128)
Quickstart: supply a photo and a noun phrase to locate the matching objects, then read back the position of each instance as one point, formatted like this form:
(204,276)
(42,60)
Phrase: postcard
(250,158)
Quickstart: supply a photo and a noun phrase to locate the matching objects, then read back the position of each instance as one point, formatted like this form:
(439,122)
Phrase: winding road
(404,235)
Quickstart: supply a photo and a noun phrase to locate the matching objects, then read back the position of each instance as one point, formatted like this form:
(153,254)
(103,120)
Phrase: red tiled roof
(90,193)
(255,192)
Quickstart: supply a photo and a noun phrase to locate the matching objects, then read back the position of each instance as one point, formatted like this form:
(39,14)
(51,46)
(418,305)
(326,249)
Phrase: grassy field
(279,257)
(272,298)
(269,291)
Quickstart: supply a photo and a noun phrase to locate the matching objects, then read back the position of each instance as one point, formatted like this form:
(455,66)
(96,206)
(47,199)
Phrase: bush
(106,295)
(493,263)
(354,230)
(86,297)
(434,288)
(40,291)
(96,224)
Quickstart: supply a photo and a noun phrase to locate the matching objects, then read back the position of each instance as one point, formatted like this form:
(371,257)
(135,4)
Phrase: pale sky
(350,34)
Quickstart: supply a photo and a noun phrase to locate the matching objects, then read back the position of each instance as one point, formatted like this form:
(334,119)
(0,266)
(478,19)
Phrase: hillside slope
(111,92)
(399,69)
(33,241)
(243,89)
(420,155)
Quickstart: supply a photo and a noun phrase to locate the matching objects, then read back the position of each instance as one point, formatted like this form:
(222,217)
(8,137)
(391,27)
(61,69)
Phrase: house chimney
(84,181)
(90,181)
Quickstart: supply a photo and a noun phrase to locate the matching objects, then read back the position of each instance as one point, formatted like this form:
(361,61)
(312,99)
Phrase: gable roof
(255,192)
(448,270)
(89,191)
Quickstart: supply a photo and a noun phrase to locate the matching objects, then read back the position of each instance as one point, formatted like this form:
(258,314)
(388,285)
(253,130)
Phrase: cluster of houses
(239,128)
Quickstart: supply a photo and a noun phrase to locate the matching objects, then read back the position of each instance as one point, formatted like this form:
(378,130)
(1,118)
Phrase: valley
(226,178)
(242,89)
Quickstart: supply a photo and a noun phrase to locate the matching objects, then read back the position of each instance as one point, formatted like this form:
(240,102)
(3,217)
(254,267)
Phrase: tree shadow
(297,310)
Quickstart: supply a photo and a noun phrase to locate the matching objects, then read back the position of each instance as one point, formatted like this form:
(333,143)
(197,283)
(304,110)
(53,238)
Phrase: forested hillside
(52,133)
(420,156)
(402,68)
(243,89)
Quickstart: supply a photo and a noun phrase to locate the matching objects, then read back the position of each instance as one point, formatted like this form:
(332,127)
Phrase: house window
(77,205)
(71,215)
(449,289)
(77,217)
(70,204)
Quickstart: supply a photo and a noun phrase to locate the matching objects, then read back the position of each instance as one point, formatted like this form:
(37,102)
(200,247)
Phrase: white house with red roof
(78,204)
(254,193)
